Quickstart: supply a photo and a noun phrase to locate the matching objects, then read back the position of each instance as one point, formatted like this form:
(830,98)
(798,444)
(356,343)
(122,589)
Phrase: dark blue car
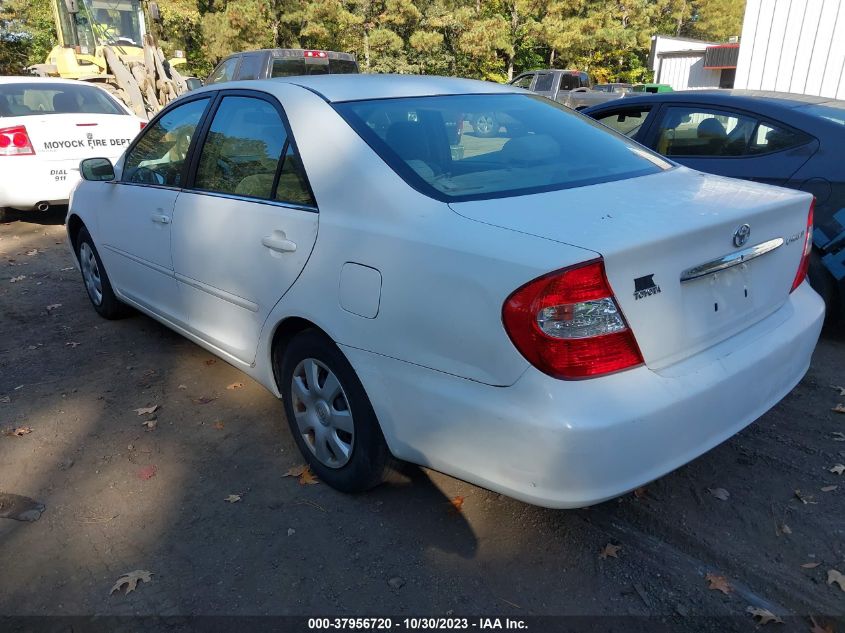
(795,141)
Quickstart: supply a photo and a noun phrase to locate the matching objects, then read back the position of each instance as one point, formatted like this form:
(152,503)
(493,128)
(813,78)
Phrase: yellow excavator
(109,42)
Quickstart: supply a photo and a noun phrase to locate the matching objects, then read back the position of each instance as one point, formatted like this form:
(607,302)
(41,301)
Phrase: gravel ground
(120,496)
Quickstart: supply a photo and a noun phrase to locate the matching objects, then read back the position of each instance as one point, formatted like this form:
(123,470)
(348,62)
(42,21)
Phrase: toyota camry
(555,312)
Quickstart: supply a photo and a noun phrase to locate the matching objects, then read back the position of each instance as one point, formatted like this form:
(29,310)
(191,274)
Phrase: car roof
(28,79)
(740,98)
(353,87)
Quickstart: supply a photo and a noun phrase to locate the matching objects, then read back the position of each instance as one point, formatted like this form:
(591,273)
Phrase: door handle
(277,242)
(160,218)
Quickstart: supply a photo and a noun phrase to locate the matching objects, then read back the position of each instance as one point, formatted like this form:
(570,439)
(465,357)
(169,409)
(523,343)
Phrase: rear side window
(540,145)
(243,153)
(627,122)
(46,98)
(544,82)
(224,72)
(250,67)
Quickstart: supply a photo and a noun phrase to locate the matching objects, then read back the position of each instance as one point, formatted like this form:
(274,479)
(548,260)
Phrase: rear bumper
(566,444)
(29,180)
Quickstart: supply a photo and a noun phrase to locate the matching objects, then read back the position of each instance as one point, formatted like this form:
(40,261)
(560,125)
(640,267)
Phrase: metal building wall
(685,71)
(793,46)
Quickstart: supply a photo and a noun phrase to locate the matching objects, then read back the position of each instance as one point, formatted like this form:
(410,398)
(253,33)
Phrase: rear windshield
(830,110)
(292,66)
(44,98)
(470,147)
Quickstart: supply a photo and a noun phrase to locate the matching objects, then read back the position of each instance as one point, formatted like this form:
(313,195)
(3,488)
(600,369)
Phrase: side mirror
(97,169)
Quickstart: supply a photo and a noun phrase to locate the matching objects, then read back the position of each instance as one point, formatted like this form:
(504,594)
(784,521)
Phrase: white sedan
(554,313)
(46,127)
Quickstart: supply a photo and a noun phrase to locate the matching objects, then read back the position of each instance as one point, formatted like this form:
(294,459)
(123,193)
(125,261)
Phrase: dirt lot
(403,549)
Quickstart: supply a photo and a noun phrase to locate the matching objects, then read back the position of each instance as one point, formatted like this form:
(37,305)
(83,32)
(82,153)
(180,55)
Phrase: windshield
(46,98)
(101,22)
(830,110)
(469,147)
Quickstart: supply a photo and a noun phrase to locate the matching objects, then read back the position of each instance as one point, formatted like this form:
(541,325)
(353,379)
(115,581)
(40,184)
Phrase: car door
(246,224)
(730,142)
(632,121)
(134,221)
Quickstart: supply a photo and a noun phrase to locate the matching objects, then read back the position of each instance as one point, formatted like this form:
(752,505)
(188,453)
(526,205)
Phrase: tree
(27,34)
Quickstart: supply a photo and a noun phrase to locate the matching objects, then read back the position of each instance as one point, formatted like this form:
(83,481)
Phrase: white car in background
(46,127)
(555,313)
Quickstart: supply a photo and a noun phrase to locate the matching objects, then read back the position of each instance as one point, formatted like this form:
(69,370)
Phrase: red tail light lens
(804,266)
(568,324)
(143,124)
(14,141)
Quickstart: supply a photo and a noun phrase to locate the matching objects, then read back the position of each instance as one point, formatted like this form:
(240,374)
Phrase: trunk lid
(77,135)
(652,230)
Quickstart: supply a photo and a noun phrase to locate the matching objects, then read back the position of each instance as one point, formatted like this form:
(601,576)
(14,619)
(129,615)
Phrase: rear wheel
(96,280)
(330,415)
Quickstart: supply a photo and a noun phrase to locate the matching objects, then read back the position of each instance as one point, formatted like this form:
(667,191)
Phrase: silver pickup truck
(572,88)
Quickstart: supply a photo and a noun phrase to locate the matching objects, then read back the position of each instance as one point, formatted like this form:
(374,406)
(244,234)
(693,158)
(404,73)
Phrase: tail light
(568,324)
(801,275)
(14,141)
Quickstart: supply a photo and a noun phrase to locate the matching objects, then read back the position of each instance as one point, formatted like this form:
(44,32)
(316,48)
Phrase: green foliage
(489,39)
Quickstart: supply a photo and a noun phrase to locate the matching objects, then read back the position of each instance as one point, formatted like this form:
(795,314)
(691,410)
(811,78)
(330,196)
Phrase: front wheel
(330,415)
(97,283)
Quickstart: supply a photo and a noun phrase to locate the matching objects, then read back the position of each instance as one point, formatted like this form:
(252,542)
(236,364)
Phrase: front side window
(158,158)
(246,147)
(523,82)
(691,131)
(27,99)
(224,72)
(627,122)
(540,145)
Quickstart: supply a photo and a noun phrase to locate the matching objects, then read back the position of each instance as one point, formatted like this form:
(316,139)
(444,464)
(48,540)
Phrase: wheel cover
(484,123)
(91,273)
(322,413)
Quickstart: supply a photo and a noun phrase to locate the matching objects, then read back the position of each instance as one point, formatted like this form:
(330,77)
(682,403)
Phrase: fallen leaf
(17,279)
(150,424)
(204,400)
(291,531)
(841,390)
(805,499)
(295,471)
(307,478)
(718,583)
(763,616)
(18,431)
(131,580)
(810,565)
(834,576)
(53,306)
(210,361)
(34,251)
(147,472)
(219,425)
(610,550)
(785,529)
(838,469)
(457,503)
(6,399)
(183,387)
(839,408)
(838,436)
(829,488)
(72,344)
(641,492)
(817,628)
(235,385)
(146,410)
(233,498)
(719,493)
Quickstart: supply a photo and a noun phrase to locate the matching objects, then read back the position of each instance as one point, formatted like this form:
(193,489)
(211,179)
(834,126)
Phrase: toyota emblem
(741,235)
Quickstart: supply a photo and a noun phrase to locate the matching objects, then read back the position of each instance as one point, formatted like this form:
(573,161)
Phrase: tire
(96,281)
(823,283)
(338,432)
(485,125)
(3,214)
